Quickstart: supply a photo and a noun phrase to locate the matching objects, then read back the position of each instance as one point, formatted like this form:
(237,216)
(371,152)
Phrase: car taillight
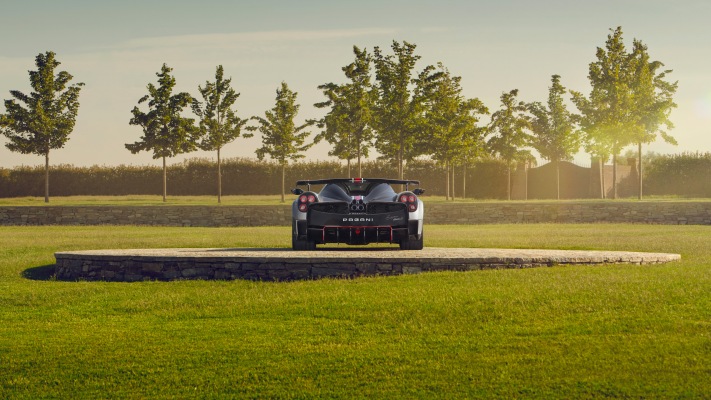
(410,201)
(306,199)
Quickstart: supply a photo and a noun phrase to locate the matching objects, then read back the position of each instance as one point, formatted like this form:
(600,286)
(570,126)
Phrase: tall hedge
(686,174)
(241,176)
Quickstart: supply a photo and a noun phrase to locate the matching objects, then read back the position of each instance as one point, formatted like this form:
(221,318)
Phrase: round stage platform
(286,264)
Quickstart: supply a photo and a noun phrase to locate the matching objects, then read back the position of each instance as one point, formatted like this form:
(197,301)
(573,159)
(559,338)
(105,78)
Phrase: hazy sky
(116,47)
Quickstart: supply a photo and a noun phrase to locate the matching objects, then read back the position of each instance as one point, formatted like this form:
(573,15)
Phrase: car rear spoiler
(405,182)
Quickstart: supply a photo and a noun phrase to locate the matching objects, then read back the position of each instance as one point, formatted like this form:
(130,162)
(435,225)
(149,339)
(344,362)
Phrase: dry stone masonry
(285,264)
(671,212)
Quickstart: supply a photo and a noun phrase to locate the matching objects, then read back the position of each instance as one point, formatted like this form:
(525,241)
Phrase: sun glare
(703,107)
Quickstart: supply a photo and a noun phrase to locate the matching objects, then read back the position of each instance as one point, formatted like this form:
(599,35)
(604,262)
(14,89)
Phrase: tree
(450,123)
(609,116)
(219,124)
(508,128)
(42,121)
(653,96)
(398,110)
(597,146)
(282,140)
(554,135)
(348,124)
(165,131)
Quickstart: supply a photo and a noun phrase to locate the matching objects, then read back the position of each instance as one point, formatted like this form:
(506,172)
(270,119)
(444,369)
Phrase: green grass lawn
(559,332)
(144,200)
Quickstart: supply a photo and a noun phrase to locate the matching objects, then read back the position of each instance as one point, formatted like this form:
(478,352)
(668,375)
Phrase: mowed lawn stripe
(557,332)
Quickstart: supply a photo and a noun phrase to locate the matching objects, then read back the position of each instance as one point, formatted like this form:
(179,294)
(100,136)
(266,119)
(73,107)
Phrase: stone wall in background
(147,215)
(671,212)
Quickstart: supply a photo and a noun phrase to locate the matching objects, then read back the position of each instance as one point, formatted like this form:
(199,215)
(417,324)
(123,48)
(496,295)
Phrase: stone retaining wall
(696,213)
(671,213)
(282,264)
(148,215)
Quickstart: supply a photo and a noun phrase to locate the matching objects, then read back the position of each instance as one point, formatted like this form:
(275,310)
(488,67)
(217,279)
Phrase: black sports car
(357,211)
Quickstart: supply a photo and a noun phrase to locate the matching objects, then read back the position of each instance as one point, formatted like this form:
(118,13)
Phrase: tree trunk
(446,186)
(508,182)
(525,180)
(165,180)
(639,159)
(219,178)
(400,157)
(464,181)
(219,163)
(400,169)
(46,177)
(348,162)
(557,179)
(360,170)
(602,179)
(614,176)
(283,178)
(452,168)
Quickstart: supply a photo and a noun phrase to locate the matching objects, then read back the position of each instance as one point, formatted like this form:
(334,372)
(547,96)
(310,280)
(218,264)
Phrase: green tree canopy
(653,96)
(553,129)
(219,124)
(165,132)
(609,115)
(509,132)
(42,121)
(282,140)
(348,124)
(450,131)
(398,110)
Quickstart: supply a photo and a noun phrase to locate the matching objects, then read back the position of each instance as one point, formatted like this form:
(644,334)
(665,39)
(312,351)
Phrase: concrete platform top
(355,254)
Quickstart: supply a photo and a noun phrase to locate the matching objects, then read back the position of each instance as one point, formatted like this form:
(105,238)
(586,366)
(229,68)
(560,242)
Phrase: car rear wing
(405,182)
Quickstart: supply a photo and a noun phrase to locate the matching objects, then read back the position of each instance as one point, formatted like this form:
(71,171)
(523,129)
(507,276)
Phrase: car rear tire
(413,243)
(300,244)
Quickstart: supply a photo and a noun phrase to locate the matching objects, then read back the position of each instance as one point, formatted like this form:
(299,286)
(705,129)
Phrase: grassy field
(144,200)
(560,332)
